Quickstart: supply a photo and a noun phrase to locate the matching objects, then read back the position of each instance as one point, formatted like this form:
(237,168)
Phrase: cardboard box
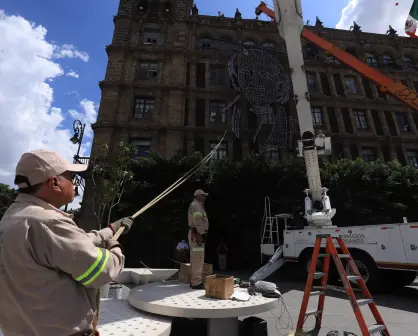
(219,286)
(184,275)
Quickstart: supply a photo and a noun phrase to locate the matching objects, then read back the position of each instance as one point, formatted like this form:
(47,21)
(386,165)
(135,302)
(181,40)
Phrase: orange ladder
(331,250)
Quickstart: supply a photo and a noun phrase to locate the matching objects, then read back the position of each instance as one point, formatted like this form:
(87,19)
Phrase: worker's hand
(125,222)
(111,243)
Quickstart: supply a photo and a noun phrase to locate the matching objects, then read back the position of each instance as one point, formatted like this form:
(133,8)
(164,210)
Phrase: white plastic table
(118,317)
(179,300)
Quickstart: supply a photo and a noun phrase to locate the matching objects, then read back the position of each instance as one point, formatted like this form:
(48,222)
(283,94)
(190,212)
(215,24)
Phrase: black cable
(284,322)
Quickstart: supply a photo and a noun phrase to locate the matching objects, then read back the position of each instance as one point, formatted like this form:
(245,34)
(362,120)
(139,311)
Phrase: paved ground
(399,310)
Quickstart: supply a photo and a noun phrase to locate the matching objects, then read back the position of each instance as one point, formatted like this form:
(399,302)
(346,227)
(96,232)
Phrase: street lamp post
(77,138)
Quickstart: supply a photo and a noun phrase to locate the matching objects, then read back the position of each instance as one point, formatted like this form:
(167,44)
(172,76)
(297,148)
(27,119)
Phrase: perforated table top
(119,318)
(179,300)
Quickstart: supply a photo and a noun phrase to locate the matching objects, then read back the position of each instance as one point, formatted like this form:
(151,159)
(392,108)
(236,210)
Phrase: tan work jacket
(198,218)
(50,270)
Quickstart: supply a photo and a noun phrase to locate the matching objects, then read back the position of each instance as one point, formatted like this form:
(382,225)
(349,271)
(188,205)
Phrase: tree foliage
(362,193)
(110,176)
(376,193)
(7,196)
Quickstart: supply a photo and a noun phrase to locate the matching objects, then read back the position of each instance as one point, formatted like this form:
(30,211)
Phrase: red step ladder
(331,251)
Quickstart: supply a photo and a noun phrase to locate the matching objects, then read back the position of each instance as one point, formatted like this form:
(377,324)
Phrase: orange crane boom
(385,83)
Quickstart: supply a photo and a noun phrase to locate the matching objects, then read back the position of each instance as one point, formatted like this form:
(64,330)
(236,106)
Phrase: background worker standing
(198,228)
(51,270)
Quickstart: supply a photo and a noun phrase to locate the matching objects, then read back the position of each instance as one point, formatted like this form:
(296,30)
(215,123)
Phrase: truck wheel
(370,273)
(399,278)
(305,263)
(409,277)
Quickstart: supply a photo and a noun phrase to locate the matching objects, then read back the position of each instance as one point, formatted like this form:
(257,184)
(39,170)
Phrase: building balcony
(85,160)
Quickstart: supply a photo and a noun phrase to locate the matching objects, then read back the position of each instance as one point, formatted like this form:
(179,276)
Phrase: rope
(97,316)
(174,186)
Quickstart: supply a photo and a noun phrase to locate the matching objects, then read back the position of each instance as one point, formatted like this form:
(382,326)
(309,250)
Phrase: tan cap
(200,192)
(41,164)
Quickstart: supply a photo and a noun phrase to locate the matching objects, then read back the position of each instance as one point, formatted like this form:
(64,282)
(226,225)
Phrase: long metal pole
(80,139)
(290,24)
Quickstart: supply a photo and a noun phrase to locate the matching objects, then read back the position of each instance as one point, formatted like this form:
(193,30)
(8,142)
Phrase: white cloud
(28,118)
(375,16)
(73,74)
(75,93)
(70,51)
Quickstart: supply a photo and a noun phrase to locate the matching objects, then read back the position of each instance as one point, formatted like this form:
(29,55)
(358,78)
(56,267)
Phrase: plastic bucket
(115,292)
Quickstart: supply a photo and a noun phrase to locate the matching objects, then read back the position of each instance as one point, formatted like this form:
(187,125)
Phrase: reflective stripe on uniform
(198,249)
(95,269)
(197,214)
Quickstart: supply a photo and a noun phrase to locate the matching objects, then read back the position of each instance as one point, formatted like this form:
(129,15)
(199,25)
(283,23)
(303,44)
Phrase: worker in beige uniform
(51,270)
(198,228)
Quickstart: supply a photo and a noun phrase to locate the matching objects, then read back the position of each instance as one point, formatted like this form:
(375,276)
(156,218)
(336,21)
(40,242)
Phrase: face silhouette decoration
(261,79)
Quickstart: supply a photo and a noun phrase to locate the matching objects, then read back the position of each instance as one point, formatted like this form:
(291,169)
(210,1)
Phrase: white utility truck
(386,255)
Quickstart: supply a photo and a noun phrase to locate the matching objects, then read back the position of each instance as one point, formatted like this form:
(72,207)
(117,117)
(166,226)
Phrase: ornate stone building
(167,83)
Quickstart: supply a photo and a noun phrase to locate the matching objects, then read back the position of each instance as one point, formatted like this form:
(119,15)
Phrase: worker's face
(62,189)
(261,78)
(201,198)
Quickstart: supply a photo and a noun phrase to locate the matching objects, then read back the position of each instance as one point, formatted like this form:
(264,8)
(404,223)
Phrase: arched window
(371,60)
(387,60)
(408,63)
(310,51)
(204,43)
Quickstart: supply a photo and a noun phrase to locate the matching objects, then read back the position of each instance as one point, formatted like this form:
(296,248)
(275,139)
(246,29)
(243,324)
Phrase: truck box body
(392,246)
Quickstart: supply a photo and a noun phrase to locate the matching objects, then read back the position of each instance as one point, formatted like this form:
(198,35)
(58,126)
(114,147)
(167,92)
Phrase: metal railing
(81,159)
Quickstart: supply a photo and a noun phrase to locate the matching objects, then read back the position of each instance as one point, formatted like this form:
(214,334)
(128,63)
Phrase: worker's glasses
(72,178)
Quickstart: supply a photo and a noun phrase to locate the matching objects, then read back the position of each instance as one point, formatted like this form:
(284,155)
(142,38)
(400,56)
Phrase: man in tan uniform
(198,228)
(51,270)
